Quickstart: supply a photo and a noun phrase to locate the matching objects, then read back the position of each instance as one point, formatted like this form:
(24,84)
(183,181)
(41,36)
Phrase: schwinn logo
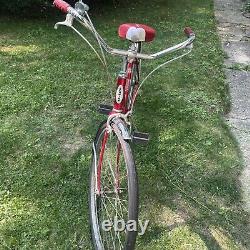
(119,94)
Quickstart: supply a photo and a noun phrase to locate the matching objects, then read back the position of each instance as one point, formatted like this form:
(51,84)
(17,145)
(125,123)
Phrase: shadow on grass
(44,201)
(190,169)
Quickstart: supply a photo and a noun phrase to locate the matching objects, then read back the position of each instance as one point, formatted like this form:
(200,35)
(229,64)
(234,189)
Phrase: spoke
(112,172)
(117,234)
(113,198)
(113,201)
(110,167)
(121,245)
(106,233)
(120,202)
(114,207)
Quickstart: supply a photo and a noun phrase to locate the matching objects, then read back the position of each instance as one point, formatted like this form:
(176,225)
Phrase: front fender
(122,127)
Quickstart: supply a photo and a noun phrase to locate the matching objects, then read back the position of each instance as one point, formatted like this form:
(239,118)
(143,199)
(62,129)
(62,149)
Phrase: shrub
(38,8)
(29,8)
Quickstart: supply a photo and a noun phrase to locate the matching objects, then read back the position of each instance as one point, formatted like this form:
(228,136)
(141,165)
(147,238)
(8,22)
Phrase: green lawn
(50,87)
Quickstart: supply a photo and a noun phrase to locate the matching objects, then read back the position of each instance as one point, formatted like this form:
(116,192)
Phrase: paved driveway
(234,31)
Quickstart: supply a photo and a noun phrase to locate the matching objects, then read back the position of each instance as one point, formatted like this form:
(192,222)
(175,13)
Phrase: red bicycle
(113,195)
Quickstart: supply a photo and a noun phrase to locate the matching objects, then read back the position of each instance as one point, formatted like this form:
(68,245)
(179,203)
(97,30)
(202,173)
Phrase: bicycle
(113,189)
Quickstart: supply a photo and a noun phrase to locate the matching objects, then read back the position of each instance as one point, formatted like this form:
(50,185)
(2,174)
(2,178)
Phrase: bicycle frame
(124,95)
(124,100)
(127,84)
(113,176)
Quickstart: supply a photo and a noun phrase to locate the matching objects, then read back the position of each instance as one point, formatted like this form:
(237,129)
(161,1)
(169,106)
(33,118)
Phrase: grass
(246,7)
(240,66)
(50,87)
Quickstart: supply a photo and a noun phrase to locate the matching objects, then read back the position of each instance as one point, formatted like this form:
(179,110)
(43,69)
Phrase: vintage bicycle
(113,192)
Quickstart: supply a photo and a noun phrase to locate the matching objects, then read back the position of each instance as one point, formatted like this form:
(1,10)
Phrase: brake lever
(190,46)
(68,21)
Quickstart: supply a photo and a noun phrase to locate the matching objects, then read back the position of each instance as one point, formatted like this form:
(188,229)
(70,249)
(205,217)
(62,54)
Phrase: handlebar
(62,5)
(66,8)
(189,32)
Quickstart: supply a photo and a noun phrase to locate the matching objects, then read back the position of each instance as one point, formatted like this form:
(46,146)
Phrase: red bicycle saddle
(136,32)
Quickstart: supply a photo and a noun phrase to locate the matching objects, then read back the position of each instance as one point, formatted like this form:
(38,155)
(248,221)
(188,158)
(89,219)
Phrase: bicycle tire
(95,200)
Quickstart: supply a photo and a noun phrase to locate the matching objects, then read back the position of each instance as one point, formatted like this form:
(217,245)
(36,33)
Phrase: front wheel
(113,192)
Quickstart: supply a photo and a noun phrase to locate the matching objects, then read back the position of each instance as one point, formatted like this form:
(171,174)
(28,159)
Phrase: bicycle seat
(136,32)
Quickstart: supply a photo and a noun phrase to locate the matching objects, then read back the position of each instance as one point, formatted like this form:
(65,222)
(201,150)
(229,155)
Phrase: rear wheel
(114,205)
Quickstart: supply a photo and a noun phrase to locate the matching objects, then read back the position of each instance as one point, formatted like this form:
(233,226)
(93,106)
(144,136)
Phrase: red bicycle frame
(124,100)
(124,82)
(125,95)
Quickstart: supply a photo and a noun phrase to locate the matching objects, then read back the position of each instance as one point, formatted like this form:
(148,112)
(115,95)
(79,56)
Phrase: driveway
(234,31)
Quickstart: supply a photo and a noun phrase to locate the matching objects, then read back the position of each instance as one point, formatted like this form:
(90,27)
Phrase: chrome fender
(122,127)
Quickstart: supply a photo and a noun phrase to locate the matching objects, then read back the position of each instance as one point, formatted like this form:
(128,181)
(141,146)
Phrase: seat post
(136,46)
(139,47)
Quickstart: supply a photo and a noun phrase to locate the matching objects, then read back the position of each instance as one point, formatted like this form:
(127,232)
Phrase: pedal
(139,137)
(105,109)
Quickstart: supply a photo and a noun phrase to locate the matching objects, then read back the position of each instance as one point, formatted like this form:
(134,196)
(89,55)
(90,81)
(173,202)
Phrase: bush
(29,8)
(41,8)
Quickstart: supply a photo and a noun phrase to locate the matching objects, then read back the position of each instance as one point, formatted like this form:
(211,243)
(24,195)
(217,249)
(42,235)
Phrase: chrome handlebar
(80,17)
(188,44)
